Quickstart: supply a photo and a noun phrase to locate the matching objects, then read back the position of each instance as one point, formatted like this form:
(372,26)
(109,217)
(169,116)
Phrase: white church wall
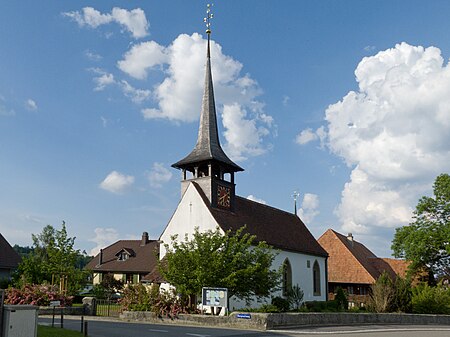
(302,275)
(190,213)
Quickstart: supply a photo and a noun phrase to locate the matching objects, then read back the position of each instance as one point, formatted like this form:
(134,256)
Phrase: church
(209,201)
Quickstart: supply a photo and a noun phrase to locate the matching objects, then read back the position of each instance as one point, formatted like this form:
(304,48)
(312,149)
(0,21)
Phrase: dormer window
(124,254)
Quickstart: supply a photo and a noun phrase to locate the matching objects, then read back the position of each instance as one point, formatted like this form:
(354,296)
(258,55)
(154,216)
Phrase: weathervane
(207,19)
(295,196)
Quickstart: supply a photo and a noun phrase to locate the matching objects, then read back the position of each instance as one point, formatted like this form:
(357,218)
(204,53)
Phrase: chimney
(350,238)
(145,239)
(100,257)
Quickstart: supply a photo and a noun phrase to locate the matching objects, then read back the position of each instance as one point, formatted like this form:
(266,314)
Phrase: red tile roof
(351,262)
(142,261)
(280,229)
(9,258)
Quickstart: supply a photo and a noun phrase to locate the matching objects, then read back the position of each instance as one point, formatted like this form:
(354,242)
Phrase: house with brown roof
(209,201)
(9,259)
(353,267)
(128,260)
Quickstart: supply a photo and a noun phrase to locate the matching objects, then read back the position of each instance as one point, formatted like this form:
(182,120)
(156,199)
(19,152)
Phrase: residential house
(9,259)
(128,260)
(354,268)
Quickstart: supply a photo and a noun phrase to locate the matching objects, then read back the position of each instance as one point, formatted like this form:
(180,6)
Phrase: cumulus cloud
(103,80)
(178,96)
(253,198)
(133,21)
(31,105)
(116,182)
(103,238)
(158,175)
(309,207)
(142,57)
(306,136)
(136,95)
(394,132)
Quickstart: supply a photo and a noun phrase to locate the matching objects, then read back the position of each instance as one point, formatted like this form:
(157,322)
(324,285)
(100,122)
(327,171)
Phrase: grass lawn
(48,331)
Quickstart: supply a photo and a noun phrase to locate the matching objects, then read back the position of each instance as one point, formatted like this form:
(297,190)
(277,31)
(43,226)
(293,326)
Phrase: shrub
(402,295)
(430,300)
(341,299)
(136,297)
(295,297)
(281,303)
(382,294)
(321,306)
(36,294)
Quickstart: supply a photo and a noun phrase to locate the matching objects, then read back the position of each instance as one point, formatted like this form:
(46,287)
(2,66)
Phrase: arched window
(287,277)
(316,279)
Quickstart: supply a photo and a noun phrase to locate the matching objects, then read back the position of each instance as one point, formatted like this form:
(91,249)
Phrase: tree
(214,259)
(426,241)
(54,260)
(381,294)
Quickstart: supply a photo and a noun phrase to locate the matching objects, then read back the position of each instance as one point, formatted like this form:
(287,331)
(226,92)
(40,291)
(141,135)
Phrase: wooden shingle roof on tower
(208,147)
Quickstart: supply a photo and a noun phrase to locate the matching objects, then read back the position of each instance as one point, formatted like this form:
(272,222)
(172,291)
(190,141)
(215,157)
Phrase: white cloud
(92,56)
(179,95)
(286,100)
(116,182)
(133,21)
(399,139)
(306,136)
(253,198)
(142,57)
(243,135)
(158,175)
(309,207)
(31,105)
(103,238)
(136,95)
(102,81)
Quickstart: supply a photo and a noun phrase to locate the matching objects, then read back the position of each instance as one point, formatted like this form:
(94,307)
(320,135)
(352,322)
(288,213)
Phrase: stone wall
(260,321)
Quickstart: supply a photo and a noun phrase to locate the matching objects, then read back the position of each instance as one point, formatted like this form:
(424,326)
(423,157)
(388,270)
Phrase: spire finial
(208,17)
(295,196)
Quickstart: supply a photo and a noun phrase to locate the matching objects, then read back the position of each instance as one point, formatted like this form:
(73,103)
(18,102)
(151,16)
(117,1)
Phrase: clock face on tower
(223,196)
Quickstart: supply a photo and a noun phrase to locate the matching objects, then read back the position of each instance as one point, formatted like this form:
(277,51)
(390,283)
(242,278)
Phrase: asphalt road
(100,328)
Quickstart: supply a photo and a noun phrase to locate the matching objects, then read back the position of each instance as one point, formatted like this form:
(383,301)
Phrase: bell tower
(207,164)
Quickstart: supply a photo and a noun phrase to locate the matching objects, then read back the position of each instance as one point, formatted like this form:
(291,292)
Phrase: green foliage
(401,301)
(295,297)
(108,286)
(265,308)
(136,297)
(214,259)
(430,300)
(281,303)
(341,299)
(382,294)
(52,258)
(321,306)
(425,242)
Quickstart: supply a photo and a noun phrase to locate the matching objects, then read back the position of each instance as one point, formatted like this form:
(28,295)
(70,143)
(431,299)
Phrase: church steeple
(207,159)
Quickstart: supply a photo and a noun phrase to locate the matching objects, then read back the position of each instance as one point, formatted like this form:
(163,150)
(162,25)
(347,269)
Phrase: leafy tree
(214,259)
(53,259)
(108,286)
(426,241)
(401,301)
(341,299)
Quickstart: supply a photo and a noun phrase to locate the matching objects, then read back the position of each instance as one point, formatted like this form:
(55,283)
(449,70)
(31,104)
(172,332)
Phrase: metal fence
(108,308)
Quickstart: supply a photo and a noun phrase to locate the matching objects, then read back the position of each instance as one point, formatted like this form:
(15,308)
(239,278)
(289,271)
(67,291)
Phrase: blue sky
(345,102)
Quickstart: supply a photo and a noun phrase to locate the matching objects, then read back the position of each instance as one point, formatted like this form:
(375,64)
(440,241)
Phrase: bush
(136,297)
(295,297)
(341,299)
(401,301)
(281,303)
(382,294)
(321,306)
(430,300)
(36,294)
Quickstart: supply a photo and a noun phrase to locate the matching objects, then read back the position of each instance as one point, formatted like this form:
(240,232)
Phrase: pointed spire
(208,145)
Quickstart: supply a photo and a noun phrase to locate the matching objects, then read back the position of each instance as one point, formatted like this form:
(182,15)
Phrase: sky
(345,102)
